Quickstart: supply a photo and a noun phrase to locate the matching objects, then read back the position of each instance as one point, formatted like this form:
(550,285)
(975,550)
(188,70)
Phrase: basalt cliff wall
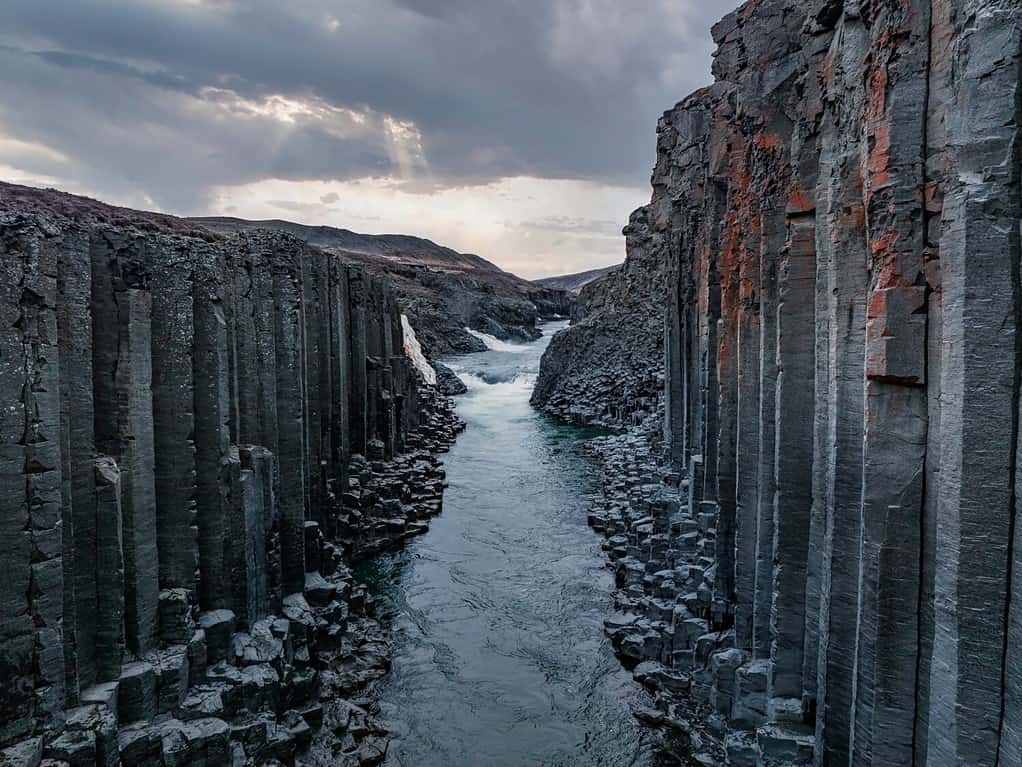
(841,217)
(607,367)
(198,434)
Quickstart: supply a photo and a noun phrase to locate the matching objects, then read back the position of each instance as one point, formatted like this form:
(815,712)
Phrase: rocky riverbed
(661,553)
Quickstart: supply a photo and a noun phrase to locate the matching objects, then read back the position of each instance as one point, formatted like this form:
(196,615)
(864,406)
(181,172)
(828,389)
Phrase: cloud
(161,102)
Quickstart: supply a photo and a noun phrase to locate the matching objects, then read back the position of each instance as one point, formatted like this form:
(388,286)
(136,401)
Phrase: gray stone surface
(607,368)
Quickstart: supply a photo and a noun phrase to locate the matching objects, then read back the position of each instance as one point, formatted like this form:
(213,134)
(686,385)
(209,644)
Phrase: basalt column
(318,372)
(341,350)
(772,242)
(289,325)
(74,340)
(842,248)
(173,339)
(358,397)
(895,408)
(255,366)
(793,493)
(974,680)
(400,376)
(175,414)
(216,467)
(747,431)
(122,387)
(674,371)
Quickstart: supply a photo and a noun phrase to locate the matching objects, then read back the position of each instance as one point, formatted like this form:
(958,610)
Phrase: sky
(520,130)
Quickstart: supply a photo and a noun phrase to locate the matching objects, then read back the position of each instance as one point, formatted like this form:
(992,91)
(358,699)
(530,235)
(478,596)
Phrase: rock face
(840,212)
(198,436)
(607,367)
(443,292)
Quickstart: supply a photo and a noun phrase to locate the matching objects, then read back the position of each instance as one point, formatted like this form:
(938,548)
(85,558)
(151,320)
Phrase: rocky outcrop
(448,381)
(443,292)
(198,436)
(607,367)
(830,553)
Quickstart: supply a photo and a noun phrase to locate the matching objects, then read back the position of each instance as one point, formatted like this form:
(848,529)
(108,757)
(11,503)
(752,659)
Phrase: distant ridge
(398,247)
(573,283)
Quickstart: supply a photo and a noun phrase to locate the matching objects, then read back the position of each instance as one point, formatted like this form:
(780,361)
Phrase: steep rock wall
(841,215)
(184,432)
(607,367)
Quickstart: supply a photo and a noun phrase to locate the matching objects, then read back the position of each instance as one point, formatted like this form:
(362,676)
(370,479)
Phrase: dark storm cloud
(165,99)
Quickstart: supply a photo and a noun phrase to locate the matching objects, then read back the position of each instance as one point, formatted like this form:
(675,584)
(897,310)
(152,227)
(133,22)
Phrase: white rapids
(494,344)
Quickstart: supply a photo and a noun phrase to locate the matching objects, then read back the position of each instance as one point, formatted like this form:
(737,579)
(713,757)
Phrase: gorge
(499,656)
(200,436)
(790,419)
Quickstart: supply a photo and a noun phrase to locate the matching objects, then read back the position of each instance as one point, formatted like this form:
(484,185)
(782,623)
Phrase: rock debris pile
(199,436)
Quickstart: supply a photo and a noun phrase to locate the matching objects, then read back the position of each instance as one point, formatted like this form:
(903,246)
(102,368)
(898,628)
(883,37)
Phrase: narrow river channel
(499,655)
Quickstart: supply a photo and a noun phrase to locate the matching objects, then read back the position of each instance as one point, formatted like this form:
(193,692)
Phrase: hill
(573,283)
(442,291)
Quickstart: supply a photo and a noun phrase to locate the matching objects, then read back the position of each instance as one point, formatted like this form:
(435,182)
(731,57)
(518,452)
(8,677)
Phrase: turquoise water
(499,655)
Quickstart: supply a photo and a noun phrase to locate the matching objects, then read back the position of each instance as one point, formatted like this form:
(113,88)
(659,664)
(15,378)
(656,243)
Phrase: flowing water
(499,654)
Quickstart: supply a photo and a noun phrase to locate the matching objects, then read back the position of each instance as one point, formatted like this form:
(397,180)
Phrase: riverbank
(387,503)
(661,553)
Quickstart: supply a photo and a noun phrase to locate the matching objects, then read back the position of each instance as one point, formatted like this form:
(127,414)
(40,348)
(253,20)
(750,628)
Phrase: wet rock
(448,382)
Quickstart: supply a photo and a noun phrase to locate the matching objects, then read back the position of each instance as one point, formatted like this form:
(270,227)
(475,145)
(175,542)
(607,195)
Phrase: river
(499,655)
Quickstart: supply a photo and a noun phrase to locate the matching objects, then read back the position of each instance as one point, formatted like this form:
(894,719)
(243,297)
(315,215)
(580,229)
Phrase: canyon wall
(198,435)
(607,367)
(842,212)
